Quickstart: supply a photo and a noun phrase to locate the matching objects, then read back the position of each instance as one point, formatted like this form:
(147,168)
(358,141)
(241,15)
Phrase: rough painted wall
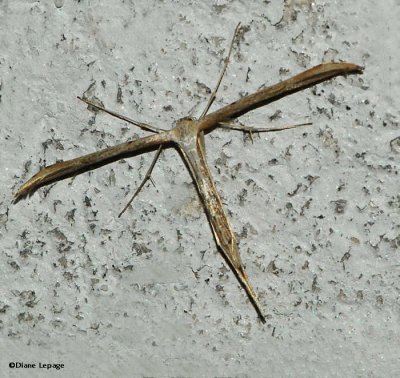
(316,210)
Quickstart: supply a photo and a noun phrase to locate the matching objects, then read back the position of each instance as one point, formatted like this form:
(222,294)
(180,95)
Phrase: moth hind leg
(146,178)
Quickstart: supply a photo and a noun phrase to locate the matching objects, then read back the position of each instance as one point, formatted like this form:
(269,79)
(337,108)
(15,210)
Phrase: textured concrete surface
(317,210)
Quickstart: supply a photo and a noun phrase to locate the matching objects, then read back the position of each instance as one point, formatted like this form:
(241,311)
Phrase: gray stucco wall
(317,210)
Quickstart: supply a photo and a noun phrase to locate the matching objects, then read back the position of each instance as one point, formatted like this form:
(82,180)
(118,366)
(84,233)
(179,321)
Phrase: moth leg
(143,126)
(247,129)
(226,62)
(146,178)
(214,92)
